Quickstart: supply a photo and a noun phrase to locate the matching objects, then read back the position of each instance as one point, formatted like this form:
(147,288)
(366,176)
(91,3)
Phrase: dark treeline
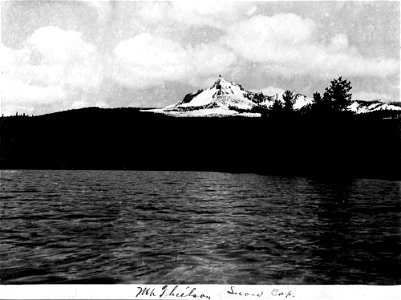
(320,139)
(334,104)
(337,144)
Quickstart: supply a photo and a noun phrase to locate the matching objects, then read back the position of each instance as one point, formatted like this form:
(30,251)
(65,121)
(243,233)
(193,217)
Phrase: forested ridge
(342,145)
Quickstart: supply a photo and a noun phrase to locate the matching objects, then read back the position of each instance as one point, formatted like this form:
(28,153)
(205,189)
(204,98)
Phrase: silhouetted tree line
(334,102)
(17,115)
(336,98)
(126,138)
(285,141)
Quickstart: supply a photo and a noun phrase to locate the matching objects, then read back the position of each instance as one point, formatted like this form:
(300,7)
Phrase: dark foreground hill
(93,138)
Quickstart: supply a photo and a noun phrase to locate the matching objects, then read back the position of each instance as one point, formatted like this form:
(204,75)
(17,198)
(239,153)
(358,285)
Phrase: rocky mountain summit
(225,98)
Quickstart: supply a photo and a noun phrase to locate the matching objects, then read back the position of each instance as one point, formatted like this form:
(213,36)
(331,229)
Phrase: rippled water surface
(197,227)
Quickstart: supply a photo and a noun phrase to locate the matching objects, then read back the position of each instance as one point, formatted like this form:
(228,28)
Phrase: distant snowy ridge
(361,106)
(225,98)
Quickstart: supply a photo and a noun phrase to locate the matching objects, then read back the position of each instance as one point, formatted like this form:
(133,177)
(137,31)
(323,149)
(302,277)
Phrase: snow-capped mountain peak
(221,82)
(222,94)
(225,98)
(225,86)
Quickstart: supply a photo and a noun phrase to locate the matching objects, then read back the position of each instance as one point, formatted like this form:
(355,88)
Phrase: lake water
(197,227)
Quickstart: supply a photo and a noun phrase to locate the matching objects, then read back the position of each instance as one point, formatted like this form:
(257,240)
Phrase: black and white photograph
(185,143)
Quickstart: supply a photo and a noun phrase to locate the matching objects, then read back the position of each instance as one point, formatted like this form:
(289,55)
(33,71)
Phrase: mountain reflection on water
(197,227)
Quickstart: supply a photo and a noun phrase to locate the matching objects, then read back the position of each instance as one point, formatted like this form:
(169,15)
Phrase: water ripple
(196,227)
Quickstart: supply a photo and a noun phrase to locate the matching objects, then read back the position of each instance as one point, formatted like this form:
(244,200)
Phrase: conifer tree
(317,98)
(338,94)
(288,98)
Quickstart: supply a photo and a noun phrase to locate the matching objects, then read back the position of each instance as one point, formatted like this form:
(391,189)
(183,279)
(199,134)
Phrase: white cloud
(271,91)
(17,96)
(62,57)
(211,13)
(217,14)
(209,60)
(269,39)
(18,92)
(103,8)
(288,44)
(146,60)
(52,64)
(339,42)
(366,95)
(58,68)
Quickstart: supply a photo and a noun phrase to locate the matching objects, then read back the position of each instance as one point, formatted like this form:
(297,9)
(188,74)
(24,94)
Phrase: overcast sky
(63,55)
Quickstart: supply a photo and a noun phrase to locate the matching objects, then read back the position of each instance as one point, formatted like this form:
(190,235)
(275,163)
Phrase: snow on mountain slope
(222,94)
(225,98)
(207,112)
(301,101)
(360,106)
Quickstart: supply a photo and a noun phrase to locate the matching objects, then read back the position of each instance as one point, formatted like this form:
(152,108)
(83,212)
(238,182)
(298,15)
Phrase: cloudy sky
(70,54)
